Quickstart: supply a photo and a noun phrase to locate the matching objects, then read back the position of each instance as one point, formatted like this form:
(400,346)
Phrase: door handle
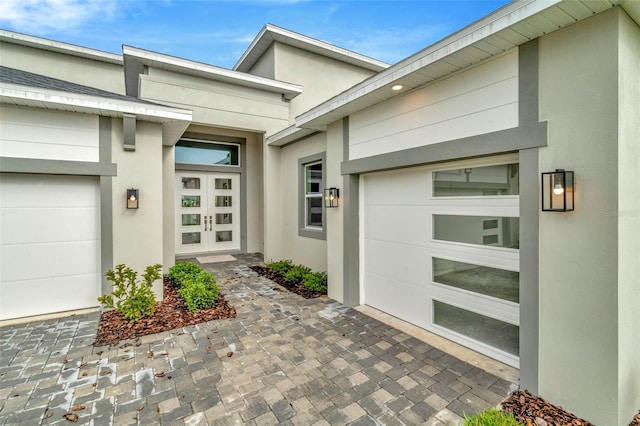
(210,223)
(205,224)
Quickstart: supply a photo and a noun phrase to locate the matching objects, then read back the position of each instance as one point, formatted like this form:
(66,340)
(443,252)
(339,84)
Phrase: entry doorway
(207,212)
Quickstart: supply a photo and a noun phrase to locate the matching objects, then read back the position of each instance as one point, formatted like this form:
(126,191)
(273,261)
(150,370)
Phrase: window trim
(303,229)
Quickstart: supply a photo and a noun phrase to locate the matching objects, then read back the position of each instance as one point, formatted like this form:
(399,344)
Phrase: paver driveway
(283,360)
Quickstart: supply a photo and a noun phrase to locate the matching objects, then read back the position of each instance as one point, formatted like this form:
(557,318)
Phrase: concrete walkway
(283,360)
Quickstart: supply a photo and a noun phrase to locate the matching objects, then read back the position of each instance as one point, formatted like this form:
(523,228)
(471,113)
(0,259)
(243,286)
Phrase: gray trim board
(106,203)
(57,167)
(528,83)
(206,168)
(351,228)
(129,131)
(528,92)
(510,140)
(303,231)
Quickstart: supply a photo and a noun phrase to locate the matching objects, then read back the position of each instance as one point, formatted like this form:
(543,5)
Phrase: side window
(311,184)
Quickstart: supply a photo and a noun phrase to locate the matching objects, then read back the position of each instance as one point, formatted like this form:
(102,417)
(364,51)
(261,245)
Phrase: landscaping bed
(529,409)
(297,288)
(169,314)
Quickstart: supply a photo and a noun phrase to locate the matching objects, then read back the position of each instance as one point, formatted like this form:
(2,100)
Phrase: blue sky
(218,32)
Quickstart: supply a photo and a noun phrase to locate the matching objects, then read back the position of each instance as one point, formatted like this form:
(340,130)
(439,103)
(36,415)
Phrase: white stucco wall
(138,234)
(217,103)
(580,252)
(88,72)
(481,99)
(628,215)
(311,252)
(321,77)
(265,66)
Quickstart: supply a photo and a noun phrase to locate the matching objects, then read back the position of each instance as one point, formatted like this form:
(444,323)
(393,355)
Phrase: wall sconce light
(557,191)
(133,198)
(331,196)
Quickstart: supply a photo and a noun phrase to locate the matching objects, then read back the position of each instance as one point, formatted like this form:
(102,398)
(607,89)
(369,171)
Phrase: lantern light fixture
(133,198)
(557,191)
(331,196)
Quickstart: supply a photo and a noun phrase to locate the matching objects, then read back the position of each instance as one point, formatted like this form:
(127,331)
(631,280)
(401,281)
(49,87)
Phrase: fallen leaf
(140,408)
(229,354)
(47,414)
(83,365)
(77,407)
(71,417)
(160,374)
(150,355)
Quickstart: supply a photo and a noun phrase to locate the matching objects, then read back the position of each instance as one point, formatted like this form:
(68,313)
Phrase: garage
(440,249)
(50,252)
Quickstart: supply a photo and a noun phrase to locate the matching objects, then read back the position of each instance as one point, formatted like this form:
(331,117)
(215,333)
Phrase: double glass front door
(207,212)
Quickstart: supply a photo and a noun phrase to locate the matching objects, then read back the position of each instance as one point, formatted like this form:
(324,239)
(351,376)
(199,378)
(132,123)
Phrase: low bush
(198,287)
(316,281)
(296,274)
(491,417)
(200,291)
(134,299)
(280,267)
(183,271)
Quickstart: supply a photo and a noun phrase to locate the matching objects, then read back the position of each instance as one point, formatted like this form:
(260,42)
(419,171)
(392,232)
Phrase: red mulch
(170,313)
(532,410)
(296,288)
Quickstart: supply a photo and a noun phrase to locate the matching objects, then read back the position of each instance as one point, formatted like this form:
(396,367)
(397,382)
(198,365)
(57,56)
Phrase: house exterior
(440,219)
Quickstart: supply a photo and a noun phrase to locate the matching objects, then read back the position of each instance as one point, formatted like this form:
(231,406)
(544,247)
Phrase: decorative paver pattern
(282,360)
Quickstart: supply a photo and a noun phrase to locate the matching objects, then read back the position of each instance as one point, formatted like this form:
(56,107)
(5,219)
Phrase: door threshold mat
(216,259)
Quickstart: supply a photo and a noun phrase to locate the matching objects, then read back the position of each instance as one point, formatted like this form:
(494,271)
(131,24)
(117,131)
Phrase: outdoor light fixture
(557,191)
(396,87)
(132,198)
(331,196)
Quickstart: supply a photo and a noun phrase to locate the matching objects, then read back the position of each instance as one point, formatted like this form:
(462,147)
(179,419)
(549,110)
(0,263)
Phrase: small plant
(280,267)
(133,299)
(316,281)
(491,417)
(183,271)
(200,291)
(296,274)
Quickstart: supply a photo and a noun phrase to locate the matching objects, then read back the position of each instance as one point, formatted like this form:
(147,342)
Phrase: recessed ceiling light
(397,87)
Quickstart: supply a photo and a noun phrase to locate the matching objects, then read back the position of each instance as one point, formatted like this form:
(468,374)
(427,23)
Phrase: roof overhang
(288,135)
(59,47)
(502,30)
(271,33)
(174,120)
(136,59)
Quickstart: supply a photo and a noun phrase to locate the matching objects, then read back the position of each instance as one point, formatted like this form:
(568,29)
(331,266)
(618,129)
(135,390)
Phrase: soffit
(136,59)
(59,47)
(271,33)
(505,29)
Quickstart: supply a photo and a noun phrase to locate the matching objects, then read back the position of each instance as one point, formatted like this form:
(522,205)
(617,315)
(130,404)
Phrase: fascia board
(288,135)
(497,21)
(65,101)
(270,33)
(172,63)
(59,47)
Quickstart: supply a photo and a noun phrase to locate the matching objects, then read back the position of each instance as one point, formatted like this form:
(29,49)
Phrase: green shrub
(491,417)
(183,271)
(133,299)
(280,267)
(296,274)
(199,291)
(316,281)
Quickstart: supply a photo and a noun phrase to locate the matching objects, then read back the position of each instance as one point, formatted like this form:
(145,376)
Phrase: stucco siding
(479,100)
(265,66)
(311,252)
(138,234)
(320,76)
(579,250)
(216,103)
(50,135)
(628,215)
(88,72)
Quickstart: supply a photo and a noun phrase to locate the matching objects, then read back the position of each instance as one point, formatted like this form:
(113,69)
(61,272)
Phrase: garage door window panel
(481,230)
(503,179)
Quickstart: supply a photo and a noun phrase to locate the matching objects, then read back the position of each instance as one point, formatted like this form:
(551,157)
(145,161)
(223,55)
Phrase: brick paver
(293,361)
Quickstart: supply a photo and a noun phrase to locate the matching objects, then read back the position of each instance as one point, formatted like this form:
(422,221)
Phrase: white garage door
(440,249)
(50,244)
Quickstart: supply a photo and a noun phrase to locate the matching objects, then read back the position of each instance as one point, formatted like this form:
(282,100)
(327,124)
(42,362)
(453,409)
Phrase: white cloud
(42,16)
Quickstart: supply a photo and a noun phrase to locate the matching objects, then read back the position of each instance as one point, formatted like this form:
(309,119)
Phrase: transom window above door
(190,151)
